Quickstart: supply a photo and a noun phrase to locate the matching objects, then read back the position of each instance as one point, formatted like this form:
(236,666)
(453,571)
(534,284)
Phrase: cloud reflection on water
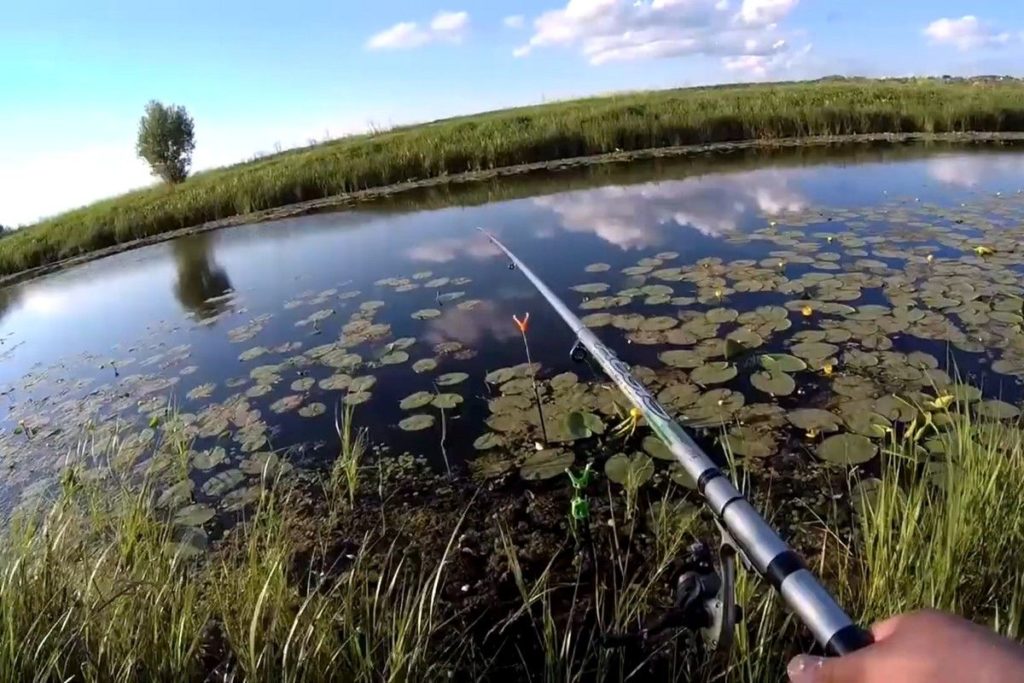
(642,216)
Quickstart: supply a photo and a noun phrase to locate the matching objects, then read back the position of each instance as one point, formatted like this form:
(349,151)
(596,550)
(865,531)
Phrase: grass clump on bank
(525,135)
(97,588)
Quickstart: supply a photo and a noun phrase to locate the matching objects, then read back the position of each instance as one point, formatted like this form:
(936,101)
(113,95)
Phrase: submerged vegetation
(521,136)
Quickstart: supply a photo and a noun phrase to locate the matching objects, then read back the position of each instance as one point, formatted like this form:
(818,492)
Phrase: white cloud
(761,67)
(445,26)
(514,21)
(973,170)
(965,33)
(643,216)
(619,30)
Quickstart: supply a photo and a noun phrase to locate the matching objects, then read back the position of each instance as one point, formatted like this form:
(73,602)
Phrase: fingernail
(805,669)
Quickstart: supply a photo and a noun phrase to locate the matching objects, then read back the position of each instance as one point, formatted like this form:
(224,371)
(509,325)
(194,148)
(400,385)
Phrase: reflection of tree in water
(202,283)
(9,297)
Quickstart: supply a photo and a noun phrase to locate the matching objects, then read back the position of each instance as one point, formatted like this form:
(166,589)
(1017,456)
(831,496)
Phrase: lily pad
(678,474)
(750,442)
(812,350)
(869,424)
(394,358)
(814,419)
(356,398)
(253,353)
(656,448)
(490,466)
(416,400)
(564,381)
(631,471)
(546,464)
(286,404)
(713,373)
(303,384)
(998,410)
(488,440)
(582,425)
(424,365)
(194,515)
(446,401)
(597,268)
(361,384)
(312,410)
(773,382)
(591,288)
(681,358)
(600,319)
(427,314)
(782,362)
(415,423)
(337,382)
(220,484)
(847,449)
(451,378)
(208,459)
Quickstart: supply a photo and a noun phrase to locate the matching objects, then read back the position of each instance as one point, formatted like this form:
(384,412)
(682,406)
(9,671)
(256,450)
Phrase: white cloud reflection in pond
(642,216)
(485,321)
(972,170)
(444,250)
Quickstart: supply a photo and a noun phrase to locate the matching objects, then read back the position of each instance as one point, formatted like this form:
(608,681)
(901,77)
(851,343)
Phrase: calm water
(166,311)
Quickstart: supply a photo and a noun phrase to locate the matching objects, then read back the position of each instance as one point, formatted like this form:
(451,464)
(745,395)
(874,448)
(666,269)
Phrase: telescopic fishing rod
(705,598)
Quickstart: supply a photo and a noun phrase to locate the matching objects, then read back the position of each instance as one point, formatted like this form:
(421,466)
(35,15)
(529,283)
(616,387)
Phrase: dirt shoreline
(342,201)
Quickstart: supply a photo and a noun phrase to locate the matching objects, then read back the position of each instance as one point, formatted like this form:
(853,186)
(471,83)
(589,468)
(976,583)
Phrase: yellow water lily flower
(828,369)
(984,251)
(807,311)
(811,433)
(930,258)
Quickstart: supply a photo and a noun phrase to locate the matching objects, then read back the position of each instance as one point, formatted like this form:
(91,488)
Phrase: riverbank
(594,130)
(383,570)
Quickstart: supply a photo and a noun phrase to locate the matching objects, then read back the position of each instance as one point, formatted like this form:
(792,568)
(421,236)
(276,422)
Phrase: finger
(853,668)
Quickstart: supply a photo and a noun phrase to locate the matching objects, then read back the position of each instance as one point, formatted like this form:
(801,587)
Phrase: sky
(258,75)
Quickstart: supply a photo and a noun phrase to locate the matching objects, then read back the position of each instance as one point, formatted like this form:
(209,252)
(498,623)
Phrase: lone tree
(166,140)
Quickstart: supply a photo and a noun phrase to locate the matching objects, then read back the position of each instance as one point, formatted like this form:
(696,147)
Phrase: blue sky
(256,74)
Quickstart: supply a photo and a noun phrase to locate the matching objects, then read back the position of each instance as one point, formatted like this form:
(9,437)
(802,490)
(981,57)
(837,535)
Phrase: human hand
(920,647)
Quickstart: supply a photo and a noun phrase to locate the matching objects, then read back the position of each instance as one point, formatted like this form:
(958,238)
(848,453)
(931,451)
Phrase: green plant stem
(536,392)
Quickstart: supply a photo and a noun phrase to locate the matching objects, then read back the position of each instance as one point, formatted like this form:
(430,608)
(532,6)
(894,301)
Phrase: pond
(800,301)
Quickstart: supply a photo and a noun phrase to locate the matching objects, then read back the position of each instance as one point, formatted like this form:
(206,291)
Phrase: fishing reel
(704,606)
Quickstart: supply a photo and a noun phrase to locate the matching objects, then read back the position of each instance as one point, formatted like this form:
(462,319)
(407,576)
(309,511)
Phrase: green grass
(93,590)
(525,135)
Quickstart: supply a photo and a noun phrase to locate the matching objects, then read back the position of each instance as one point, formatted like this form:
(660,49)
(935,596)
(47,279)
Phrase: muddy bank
(343,201)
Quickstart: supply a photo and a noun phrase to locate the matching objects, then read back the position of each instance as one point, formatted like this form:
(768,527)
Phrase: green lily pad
(591,288)
(188,542)
(253,353)
(427,314)
(814,419)
(416,400)
(713,373)
(201,391)
(583,425)
(194,515)
(600,319)
(501,375)
(176,495)
(564,381)
(303,384)
(681,358)
(597,268)
(721,315)
(286,404)
(656,448)
(864,495)
(446,401)
(965,393)
(415,423)
(208,459)
(361,384)
(489,466)
(628,321)
(546,464)
(750,442)
(451,378)
(238,499)
(424,365)
(394,358)
(488,440)
(847,449)
(869,424)
(312,410)
(337,382)
(812,350)
(774,382)
(998,410)
(782,362)
(220,484)
(356,398)
(678,474)
(633,471)
(658,323)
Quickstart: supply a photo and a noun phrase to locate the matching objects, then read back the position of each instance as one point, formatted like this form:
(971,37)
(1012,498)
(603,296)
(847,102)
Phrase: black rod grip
(848,640)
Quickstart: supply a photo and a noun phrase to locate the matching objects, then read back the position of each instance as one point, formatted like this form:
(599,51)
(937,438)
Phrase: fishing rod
(705,598)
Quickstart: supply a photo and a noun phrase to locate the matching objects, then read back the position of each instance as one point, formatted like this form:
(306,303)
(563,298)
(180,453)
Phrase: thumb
(809,669)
